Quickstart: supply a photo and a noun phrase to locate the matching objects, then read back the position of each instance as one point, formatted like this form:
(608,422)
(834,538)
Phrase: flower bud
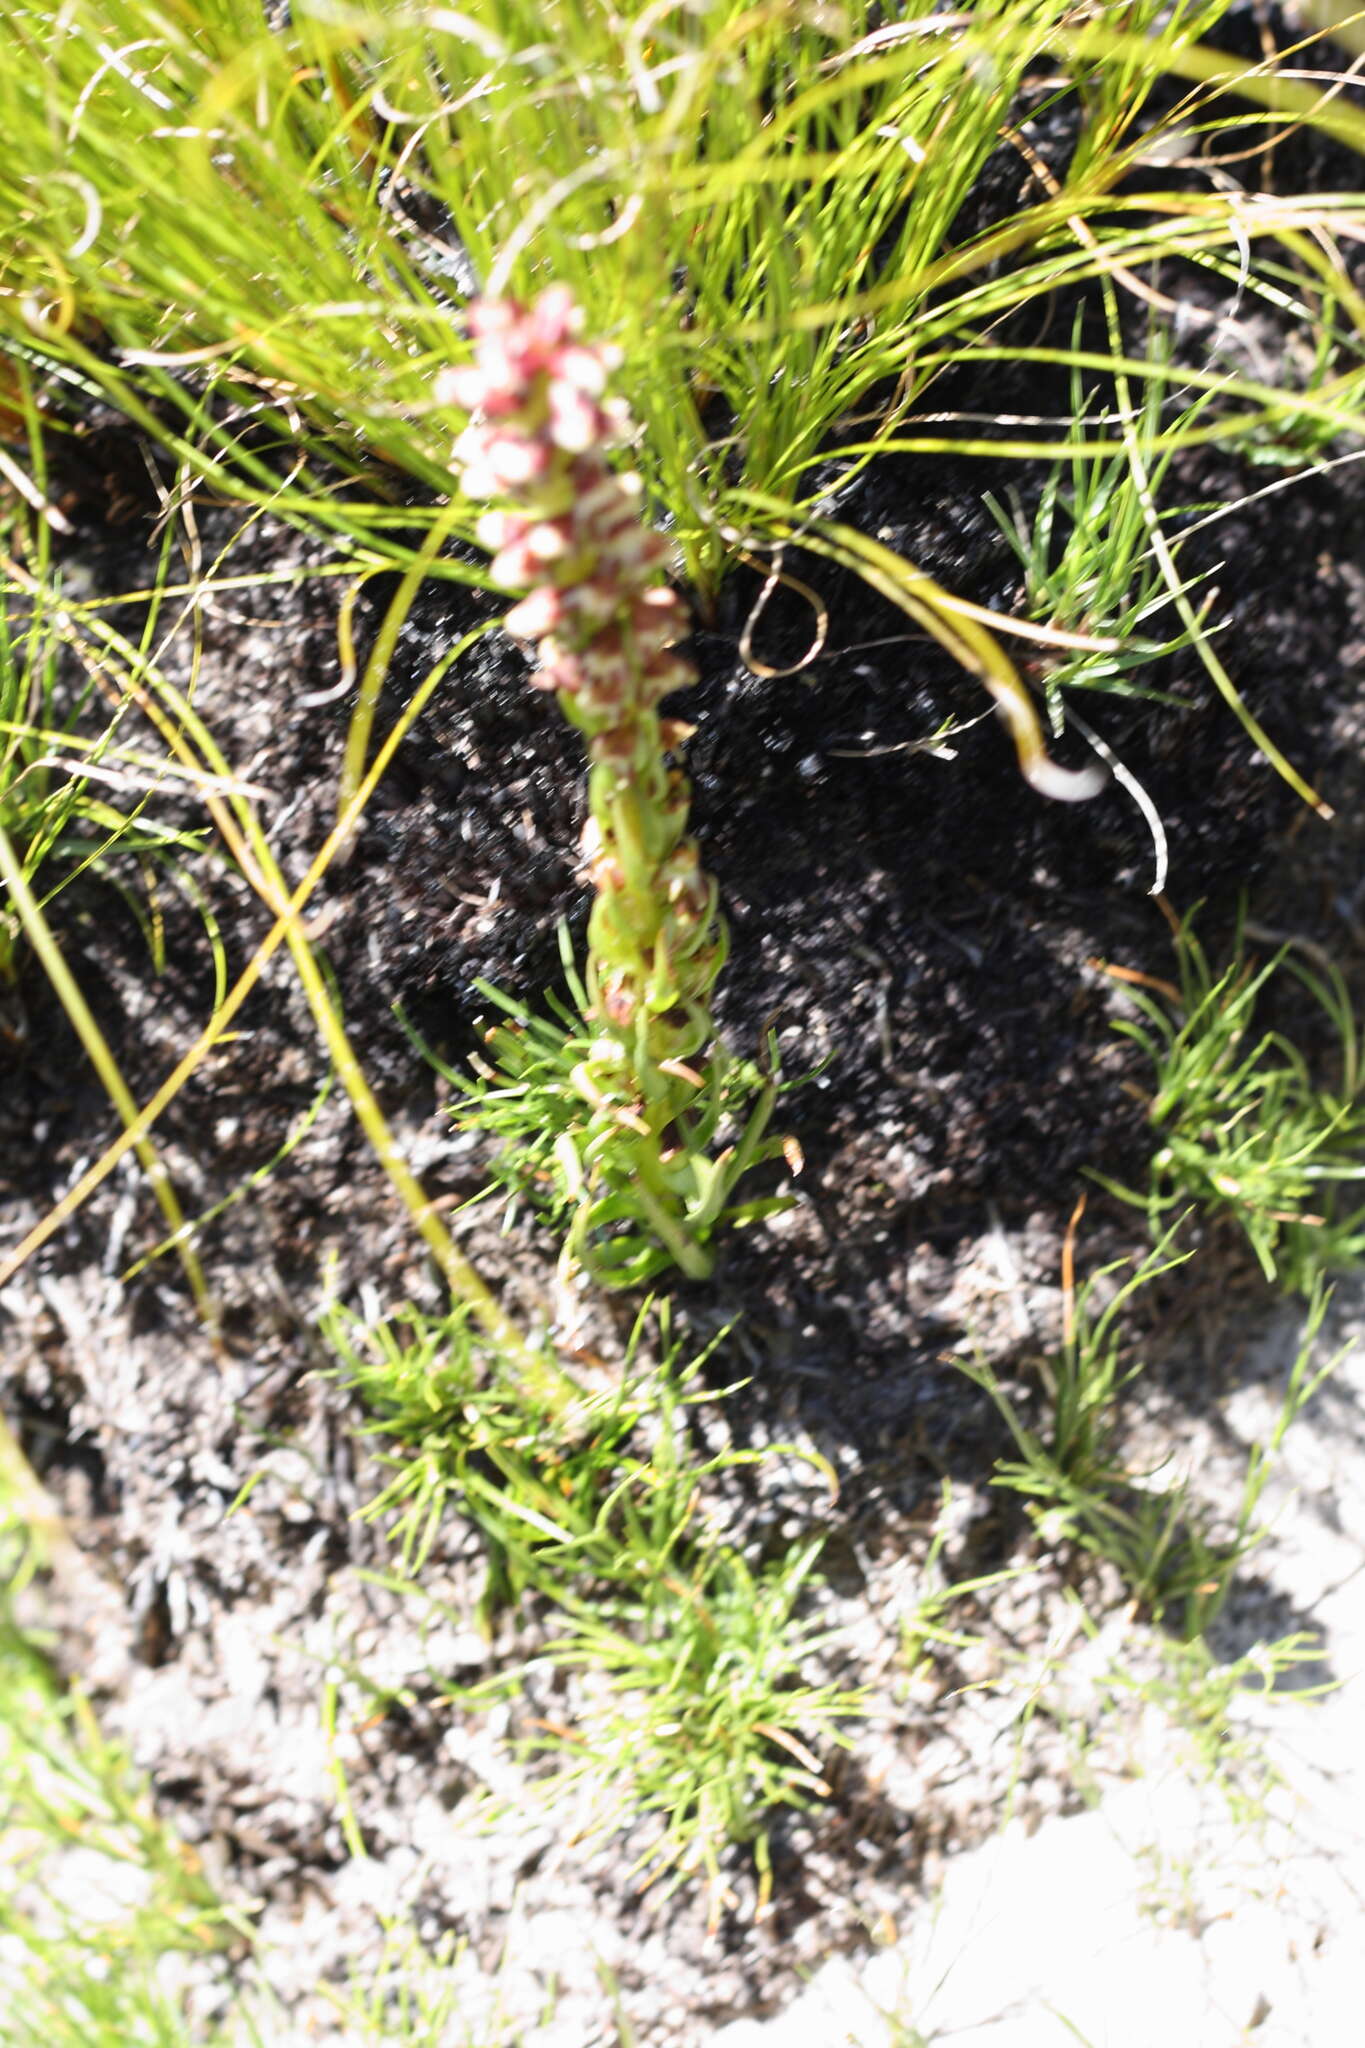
(617,1001)
(576,421)
(536,615)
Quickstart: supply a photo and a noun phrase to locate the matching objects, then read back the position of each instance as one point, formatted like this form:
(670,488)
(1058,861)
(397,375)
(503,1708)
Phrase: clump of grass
(530,1460)
(757,206)
(763,211)
(1086,552)
(693,1656)
(1176,1558)
(416,1994)
(1247,1127)
(703,1710)
(1070,1472)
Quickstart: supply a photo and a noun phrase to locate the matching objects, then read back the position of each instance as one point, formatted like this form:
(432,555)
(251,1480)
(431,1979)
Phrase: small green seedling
(1070,1470)
(1086,553)
(1176,1558)
(706,1713)
(1246,1128)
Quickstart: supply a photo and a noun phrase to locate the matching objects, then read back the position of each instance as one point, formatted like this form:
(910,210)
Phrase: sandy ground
(1171,1911)
(1193,1902)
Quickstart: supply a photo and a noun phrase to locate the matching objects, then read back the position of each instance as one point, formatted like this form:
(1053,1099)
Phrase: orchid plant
(612,1114)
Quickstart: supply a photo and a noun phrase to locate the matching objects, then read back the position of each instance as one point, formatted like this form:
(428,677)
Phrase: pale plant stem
(461,1277)
(1189,616)
(68,992)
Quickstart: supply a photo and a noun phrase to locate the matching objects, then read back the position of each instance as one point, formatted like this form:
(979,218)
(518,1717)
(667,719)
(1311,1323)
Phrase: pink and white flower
(571,539)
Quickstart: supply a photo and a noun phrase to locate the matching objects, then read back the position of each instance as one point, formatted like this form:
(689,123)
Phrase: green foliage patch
(700,1711)
(1246,1126)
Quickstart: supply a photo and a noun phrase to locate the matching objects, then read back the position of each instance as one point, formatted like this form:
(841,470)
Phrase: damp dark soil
(914,923)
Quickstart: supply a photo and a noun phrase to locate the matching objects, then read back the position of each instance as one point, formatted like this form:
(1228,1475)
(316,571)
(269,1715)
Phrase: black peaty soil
(924,930)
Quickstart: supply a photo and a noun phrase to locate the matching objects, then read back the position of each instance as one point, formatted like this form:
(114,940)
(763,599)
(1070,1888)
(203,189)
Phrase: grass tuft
(1176,1558)
(699,1712)
(1247,1128)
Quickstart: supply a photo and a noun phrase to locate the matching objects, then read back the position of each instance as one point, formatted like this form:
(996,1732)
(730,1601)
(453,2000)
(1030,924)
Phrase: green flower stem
(689,1255)
(634,1120)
